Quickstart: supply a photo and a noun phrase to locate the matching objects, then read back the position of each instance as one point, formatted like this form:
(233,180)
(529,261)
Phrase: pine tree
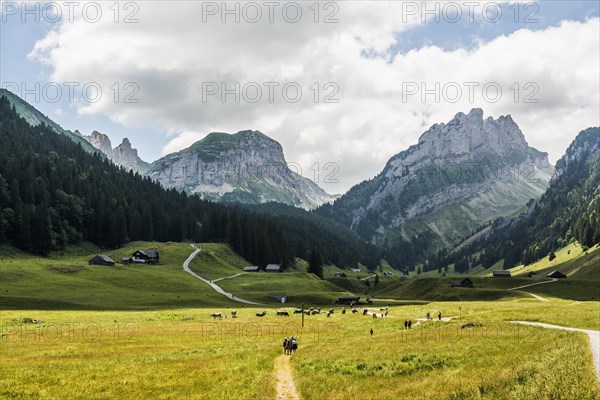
(118,228)
(41,230)
(24,228)
(315,264)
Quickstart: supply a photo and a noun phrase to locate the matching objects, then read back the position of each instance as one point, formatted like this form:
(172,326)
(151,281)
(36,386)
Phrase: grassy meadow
(74,331)
(184,353)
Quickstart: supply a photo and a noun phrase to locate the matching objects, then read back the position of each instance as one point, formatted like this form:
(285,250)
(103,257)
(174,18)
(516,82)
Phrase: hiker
(285,345)
(405,324)
(292,345)
(439,315)
(428,316)
(409,324)
(371,331)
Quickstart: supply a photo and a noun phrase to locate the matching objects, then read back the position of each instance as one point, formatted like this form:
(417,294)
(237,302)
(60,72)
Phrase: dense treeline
(53,193)
(317,232)
(569,210)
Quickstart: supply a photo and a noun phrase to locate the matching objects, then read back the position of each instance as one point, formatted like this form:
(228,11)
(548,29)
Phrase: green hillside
(582,269)
(65,280)
(34,118)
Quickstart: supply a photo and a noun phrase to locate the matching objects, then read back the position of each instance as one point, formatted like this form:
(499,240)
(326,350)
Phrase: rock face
(585,146)
(101,142)
(126,156)
(459,175)
(246,167)
(123,155)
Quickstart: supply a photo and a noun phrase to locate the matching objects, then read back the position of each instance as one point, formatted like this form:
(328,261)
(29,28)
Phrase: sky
(343,86)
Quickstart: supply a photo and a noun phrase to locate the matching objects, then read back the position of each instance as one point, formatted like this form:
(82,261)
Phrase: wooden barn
(251,269)
(556,274)
(274,268)
(101,259)
(465,283)
(145,257)
(501,273)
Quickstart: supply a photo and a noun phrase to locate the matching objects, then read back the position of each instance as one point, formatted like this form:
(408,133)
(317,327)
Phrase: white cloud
(170,53)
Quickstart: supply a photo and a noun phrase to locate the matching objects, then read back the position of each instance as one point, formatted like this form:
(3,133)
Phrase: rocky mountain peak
(126,156)
(101,142)
(470,135)
(459,175)
(247,166)
(126,144)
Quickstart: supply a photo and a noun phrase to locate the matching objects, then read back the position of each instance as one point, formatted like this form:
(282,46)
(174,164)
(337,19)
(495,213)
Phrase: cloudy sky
(341,85)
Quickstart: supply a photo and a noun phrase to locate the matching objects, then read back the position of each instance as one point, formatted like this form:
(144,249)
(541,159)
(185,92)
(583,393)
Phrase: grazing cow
(365,311)
(298,311)
(343,311)
(331,310)
(261,314)
(233,313)
(374,316)
(354,311)
(283,313)
(329,313)
(217,315)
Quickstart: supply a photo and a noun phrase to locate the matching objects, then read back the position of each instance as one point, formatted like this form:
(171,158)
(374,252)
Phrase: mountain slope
(569,210)
(34,118)
(246,167)
(459,176)
(52,193)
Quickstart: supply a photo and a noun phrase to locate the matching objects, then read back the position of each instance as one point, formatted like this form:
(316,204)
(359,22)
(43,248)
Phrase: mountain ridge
(246,167)
(458,176)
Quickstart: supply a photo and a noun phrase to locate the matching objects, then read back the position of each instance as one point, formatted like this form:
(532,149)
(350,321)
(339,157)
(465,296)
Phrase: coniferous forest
(53,193)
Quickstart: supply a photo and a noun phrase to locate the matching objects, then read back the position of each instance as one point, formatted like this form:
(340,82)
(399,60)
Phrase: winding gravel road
(594,339)
(217,288)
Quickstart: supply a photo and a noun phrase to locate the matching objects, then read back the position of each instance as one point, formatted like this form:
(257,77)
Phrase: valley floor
(69,330)
(184,353)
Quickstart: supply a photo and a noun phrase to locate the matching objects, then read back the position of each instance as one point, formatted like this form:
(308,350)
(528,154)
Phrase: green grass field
(140,354)
(146,331)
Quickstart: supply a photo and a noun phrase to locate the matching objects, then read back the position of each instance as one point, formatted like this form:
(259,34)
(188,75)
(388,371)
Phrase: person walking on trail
(428,316)
(285,345)
(439,315)
(371,331)
(293,345)
(405,324)
(409,324)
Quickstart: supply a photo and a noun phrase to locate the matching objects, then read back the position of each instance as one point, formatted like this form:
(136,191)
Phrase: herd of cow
(309,311)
